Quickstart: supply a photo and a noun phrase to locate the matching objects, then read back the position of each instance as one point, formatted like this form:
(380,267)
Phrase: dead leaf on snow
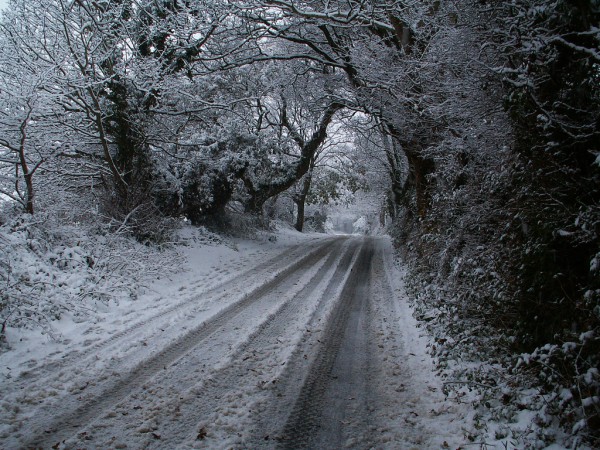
(201,434)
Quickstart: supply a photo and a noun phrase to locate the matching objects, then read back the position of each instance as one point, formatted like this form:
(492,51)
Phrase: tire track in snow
(80,365)
(272,267)
(394,409)
(277,405)
(255,364)
(173,404)
(303,422)
(65,426)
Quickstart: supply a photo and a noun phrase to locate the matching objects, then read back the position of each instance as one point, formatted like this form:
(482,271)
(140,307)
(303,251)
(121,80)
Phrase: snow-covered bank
(498,407)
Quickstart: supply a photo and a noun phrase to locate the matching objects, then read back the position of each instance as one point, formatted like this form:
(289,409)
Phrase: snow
(78,359)
(361,226)
(202,263)
(591,375)
(444,419)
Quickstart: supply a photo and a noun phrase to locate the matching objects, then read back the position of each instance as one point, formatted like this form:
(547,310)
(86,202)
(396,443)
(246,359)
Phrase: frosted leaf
(583,337)
(590,401)
(566,395)
(591,376)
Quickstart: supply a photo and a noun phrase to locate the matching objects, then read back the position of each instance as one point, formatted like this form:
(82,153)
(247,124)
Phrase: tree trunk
(30,193)
(300,199)
(300,202)
(27,174)
(421,168)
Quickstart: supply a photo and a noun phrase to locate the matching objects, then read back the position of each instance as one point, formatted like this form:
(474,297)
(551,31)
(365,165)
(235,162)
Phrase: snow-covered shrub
(504,256)
(206,192)
(361,226)
(141,219)
(575,400)
(316,222)
(47,269)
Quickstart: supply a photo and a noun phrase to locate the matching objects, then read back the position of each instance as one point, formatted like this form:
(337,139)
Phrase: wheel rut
(214,293)
(51,432)
(332,405)
(257,362)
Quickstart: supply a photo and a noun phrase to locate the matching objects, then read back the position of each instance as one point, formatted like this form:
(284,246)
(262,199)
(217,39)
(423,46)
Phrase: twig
(471,383)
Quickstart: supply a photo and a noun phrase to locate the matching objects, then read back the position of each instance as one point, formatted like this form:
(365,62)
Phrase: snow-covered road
(309,348)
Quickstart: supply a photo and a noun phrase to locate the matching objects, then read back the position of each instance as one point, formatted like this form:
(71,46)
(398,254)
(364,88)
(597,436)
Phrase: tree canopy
(483,117)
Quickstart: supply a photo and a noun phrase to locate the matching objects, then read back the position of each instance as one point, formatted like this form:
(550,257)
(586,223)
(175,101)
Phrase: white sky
(3,4)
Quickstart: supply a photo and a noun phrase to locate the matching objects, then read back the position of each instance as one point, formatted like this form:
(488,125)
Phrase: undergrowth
(48,269)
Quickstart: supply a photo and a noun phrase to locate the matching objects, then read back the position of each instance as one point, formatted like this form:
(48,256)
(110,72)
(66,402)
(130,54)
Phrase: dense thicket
(484,116)
(507,249)
(554,101)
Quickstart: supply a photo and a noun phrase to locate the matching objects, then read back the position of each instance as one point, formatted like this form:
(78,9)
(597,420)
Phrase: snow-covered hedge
(47,269)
